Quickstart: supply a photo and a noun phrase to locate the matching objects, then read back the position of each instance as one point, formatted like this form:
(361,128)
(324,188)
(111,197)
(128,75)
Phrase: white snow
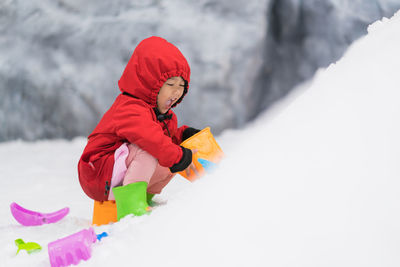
(314,182)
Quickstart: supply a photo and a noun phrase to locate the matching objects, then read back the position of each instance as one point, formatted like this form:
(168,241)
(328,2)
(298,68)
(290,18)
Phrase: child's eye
(170,84)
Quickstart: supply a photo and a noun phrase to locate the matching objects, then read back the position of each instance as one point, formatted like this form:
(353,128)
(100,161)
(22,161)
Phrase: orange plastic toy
(207,149)
(104,212)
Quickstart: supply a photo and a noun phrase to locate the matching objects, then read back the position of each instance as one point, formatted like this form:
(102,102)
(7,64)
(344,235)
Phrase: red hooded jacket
(132,117)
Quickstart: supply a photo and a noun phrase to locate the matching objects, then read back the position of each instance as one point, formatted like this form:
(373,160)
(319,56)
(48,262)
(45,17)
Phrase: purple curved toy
(71,249)
(31,218)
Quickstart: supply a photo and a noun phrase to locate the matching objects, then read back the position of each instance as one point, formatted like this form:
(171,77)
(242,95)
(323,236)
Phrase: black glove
(184,162)
(188,132)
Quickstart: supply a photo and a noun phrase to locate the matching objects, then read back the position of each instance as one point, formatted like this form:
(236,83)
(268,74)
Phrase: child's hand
(192,167)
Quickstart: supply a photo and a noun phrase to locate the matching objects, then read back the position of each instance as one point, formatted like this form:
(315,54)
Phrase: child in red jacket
(134,151)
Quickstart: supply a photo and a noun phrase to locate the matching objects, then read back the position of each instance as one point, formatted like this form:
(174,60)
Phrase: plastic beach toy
(72,249)
(102,235)
(104,212)
(29,218)
(30,247)
(208,152)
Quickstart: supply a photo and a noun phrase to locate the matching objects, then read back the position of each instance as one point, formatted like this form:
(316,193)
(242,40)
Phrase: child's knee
(141,156)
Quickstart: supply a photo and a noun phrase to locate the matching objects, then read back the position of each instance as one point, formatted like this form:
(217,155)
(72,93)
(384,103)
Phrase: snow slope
(315,182)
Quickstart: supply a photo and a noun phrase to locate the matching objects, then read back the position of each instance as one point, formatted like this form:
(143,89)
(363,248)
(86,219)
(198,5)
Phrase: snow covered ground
(314,182)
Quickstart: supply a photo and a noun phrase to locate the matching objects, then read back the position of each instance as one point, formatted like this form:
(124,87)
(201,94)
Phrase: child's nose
(176,93)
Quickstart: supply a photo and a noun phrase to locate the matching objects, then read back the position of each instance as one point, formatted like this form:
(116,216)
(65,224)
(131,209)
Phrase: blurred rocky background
(60,60)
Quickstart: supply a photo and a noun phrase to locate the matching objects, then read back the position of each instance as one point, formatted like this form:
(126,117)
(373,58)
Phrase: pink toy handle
(30,218)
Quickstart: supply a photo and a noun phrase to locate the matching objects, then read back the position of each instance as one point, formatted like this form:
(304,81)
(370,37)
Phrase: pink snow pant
(133,164)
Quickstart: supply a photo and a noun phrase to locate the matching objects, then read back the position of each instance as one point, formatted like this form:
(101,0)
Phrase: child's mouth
(169,103)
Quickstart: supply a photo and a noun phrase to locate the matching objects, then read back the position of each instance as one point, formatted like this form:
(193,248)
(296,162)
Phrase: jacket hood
(153,61)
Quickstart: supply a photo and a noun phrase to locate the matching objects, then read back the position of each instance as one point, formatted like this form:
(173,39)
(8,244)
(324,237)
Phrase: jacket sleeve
(135,123)
(179,133)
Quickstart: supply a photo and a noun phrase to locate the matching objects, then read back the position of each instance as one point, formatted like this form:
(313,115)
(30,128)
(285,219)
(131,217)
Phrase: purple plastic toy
(71,249)
(30,218)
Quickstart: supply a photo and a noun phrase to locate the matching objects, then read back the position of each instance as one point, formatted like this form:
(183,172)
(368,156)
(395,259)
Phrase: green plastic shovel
(30,247)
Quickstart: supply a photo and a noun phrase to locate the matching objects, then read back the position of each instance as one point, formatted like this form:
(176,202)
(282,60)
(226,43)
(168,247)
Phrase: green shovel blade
(30,247)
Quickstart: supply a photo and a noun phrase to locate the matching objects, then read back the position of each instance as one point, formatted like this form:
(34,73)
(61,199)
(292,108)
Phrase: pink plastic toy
(30,218)
(71,249)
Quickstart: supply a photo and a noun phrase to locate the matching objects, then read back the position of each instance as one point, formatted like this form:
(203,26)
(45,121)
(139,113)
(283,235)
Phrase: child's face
(170,92)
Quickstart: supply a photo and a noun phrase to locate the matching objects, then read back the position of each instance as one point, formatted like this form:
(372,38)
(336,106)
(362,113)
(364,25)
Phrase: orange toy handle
(207,149)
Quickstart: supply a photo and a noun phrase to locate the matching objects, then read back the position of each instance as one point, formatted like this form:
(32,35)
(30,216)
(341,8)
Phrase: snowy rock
(60,60)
